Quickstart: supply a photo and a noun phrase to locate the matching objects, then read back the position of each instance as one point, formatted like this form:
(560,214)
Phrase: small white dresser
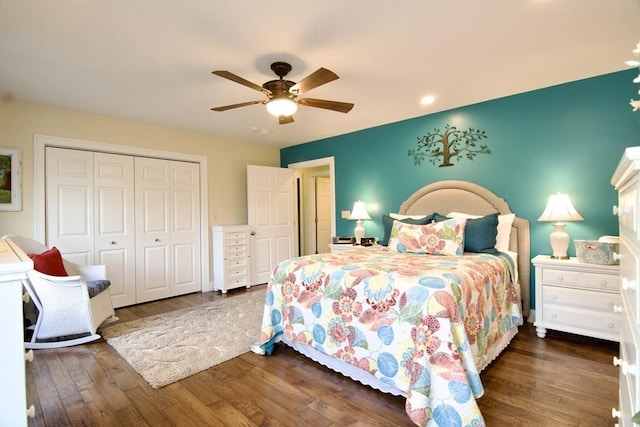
(231,257)
(14,265)
(577,297)
(626,181)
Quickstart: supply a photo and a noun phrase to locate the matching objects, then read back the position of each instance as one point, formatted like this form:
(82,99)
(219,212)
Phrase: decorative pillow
(387,224)
(437,238)
(400,216)
(49,262)
(480,234)
(505,223)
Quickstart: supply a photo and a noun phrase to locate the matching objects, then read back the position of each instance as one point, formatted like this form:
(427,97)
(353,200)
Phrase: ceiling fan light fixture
(281,107)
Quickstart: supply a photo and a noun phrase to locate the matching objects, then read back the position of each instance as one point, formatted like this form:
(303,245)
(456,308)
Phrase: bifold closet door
(115,224)
(90,213)
(167,228)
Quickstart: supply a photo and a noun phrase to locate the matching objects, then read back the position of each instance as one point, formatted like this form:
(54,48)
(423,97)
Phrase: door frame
(40,142)
(323,161)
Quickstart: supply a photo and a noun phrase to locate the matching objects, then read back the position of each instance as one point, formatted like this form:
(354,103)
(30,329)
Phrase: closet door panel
(69,192)
(153,234)
(115,225)
(185,230)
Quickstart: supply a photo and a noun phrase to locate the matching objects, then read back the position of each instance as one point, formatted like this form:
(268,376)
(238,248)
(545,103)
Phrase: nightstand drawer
(600,281)
(560,277)
(580,319)
(591,300)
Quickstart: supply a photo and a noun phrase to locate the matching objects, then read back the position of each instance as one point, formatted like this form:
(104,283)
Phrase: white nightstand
(577,297)
(336,247)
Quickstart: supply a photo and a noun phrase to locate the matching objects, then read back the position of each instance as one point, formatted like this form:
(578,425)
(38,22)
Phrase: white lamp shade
(359,211)
(281,107)
(559,208)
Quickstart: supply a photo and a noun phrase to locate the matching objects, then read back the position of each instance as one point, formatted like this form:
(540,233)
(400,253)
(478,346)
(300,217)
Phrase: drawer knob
(628,284)
(617,309)
(615,413)
(610,325)
(616,256)
(560,278)
(616,210)
(554,316)
(616,361)
(28,356)
(628,369)
(554,296)
(31,411)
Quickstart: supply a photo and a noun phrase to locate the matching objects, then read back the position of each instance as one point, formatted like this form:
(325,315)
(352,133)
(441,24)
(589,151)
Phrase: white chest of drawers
(577,297)
(14,265)
(231,257)
(627,181)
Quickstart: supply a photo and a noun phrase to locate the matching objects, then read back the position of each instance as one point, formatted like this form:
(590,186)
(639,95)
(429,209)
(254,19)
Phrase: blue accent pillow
(387,225)
(480,234)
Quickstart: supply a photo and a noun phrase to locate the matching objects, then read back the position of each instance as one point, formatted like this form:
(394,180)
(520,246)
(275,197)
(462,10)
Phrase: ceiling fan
(282,95)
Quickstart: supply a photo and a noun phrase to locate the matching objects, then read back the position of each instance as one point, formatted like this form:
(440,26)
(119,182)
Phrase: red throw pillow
(49,262)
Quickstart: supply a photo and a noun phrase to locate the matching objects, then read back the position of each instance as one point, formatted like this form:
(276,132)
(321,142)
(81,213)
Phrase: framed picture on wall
(10,188)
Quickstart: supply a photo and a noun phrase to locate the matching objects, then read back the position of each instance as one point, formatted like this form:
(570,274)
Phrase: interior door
(271,204)
(323,214)
(115,224)
(153,235)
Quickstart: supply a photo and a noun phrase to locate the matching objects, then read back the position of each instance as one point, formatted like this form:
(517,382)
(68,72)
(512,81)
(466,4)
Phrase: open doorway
(316,205)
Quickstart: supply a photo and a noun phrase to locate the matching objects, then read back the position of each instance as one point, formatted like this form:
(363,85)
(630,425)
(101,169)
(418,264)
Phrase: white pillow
(504,228)
(399,216)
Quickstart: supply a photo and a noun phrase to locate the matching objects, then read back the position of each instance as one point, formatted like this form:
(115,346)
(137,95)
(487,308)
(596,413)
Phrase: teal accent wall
(567,138)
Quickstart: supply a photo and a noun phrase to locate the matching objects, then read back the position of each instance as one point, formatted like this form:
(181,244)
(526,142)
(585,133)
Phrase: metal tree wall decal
(452,144)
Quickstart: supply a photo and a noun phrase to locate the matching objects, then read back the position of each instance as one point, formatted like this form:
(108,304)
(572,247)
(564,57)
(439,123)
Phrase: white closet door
(185,227)
(115,227)
(153,233)
(69,192)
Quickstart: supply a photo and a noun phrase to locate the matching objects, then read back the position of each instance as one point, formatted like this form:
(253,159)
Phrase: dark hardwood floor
(562,380)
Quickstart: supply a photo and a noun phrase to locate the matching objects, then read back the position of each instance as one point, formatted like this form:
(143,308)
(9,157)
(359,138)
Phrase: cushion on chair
(97,286)
(49,262)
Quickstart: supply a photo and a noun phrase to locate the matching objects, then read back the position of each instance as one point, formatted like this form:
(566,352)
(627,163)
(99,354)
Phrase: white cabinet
(14,265)
(577,297)
(231,257)
(625,180)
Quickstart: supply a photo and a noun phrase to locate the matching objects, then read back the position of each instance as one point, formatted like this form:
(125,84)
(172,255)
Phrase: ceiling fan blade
(242,104)
(283,120)
(343,107)
(315,79)
(235,78)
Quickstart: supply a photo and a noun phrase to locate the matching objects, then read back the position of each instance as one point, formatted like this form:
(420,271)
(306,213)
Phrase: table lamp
(559,208)
(359,212)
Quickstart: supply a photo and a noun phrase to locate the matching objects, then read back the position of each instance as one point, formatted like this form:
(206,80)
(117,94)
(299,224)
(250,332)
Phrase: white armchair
(70,308)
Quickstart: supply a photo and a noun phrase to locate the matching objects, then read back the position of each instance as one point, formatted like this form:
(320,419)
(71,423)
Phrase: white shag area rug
(169,347)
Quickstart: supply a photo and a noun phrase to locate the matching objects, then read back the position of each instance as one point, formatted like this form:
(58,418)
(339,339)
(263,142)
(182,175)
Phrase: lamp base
(358,232)
(559,241)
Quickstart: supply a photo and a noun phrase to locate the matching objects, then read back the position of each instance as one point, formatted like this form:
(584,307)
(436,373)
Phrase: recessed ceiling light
(427,100)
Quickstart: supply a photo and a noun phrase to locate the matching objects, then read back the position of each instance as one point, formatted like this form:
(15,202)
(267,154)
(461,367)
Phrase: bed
(405,322)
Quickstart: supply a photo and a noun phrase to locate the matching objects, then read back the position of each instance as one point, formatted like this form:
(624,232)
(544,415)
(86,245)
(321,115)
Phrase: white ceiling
(151,61)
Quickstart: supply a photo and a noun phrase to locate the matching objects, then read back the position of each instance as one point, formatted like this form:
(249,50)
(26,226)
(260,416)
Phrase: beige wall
(226,160)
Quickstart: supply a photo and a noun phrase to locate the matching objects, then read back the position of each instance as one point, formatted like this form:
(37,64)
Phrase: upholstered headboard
(467,197)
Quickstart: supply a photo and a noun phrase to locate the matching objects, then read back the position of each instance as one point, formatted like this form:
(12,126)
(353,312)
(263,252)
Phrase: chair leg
(59,344)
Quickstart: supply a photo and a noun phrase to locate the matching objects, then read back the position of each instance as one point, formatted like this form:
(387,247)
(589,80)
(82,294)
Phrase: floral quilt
(419,323)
